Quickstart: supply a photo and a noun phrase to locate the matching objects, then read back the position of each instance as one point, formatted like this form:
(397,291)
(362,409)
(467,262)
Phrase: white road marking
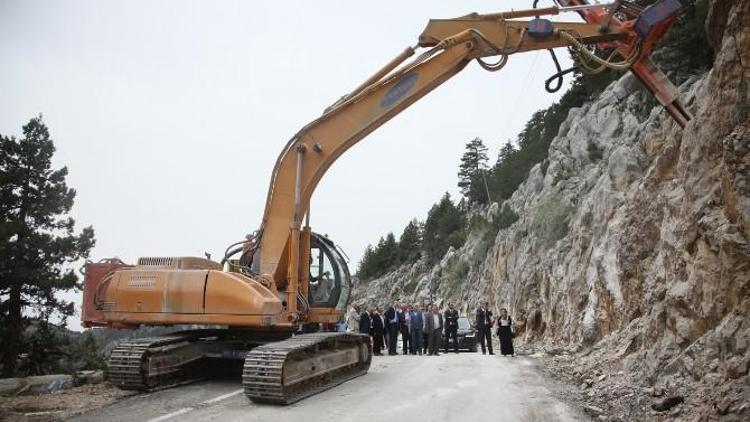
(222,397)
(172,415)
(190,409)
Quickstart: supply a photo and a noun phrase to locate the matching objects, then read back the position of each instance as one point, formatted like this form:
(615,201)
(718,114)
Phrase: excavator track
(157,362)
(287,371)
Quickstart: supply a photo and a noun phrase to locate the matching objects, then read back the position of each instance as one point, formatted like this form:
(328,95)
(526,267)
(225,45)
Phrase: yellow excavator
(272,301)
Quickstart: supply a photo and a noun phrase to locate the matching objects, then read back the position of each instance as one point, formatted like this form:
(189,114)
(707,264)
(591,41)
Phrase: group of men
(421,330)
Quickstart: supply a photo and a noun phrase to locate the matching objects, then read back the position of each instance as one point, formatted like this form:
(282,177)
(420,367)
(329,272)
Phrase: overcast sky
(170,114)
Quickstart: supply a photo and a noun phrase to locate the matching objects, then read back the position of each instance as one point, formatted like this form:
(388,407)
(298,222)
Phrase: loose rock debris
(59,406)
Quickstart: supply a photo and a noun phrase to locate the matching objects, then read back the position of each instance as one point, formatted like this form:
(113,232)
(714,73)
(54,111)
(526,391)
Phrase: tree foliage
(443,228)
(390,253)
(410,243)
(37,238)
(52,349)
(472,172)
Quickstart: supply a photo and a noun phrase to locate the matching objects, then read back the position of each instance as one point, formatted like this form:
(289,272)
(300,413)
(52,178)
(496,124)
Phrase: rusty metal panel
(96,273)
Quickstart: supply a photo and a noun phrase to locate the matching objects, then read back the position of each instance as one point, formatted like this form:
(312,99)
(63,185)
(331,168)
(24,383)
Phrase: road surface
(449,387)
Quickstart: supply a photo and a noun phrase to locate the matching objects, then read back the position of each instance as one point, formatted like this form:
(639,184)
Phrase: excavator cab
(330,281)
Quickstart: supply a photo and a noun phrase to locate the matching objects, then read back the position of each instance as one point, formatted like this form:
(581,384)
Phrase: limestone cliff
(630,261)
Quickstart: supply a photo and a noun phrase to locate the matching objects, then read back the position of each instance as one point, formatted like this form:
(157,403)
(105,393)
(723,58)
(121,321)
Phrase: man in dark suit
(434,329)
(403,323)
(377,332)
(484,326)
(365,323)
(451,327)
(392,326)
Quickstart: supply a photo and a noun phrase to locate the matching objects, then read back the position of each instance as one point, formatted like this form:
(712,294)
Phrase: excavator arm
(450,44)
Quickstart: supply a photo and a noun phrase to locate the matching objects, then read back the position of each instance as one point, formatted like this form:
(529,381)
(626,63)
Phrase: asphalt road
(449,387)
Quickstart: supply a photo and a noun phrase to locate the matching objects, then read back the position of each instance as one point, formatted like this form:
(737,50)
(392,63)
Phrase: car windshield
(463,323)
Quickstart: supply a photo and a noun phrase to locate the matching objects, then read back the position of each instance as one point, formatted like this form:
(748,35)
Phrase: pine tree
(389,253)
(507,173)
(506,152)
(410,243)
(443,228)
(365,269)
(380,259)
(37,240)
(472,172)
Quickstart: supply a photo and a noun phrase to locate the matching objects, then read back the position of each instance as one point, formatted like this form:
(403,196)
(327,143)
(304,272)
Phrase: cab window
(322,277)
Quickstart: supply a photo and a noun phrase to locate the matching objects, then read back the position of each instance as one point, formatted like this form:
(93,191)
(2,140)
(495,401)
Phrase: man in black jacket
(484,326)
(365,323)
(451,327)
(434,329)
(403,322)
(377,332)
(392,326)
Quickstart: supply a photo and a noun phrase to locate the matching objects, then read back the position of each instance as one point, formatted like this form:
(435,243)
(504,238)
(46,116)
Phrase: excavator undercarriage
(158,362)
(290,370)
(279,372)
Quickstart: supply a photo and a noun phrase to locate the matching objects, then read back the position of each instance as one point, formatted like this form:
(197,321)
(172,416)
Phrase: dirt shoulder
(61,405)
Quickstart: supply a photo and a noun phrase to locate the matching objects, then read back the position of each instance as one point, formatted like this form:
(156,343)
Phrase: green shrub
(595,153)
(551,219)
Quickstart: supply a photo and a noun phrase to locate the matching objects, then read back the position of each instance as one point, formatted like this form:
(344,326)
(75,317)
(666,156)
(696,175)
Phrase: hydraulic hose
(603,63)
(558,76)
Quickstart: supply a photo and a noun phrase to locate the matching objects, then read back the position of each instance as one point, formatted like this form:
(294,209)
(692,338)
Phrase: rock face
(631,257)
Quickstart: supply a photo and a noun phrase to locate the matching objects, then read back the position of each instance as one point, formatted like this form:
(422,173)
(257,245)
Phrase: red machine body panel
(95,274)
